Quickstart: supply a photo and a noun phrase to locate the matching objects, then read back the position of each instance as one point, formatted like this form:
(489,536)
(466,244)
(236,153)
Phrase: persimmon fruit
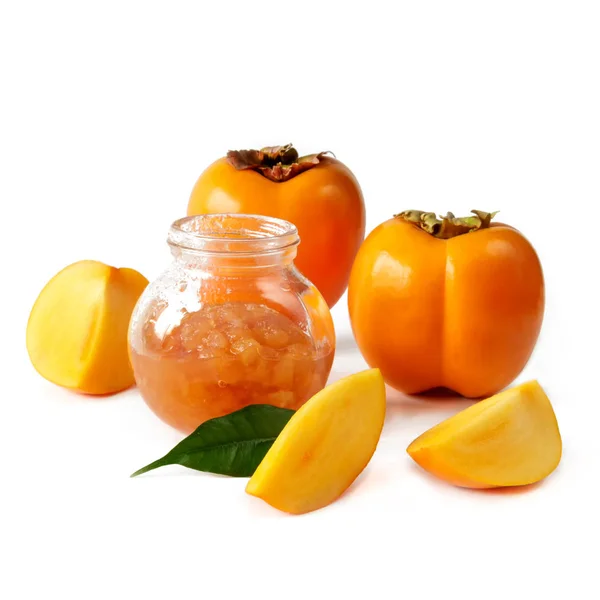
(317,193)
(324,446)
(454,303)
(77,329)
(510,439)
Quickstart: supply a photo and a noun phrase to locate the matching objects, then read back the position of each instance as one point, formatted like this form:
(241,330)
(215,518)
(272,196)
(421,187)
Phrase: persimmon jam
(223,357)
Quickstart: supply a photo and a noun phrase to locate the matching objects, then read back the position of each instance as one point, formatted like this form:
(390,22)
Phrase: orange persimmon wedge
(509,439)
(324,447)
(77,329)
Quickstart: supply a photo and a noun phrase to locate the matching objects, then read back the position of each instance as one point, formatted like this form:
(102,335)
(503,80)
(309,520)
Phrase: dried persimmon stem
(448,226)
(277,163)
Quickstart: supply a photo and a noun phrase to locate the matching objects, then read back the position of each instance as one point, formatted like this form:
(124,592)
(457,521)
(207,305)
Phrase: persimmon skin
(463,313)
(325,203)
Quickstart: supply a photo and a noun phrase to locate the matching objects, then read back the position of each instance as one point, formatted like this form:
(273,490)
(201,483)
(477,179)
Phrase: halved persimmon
(77,330)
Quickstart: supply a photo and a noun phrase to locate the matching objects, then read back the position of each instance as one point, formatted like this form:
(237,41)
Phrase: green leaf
(231,445)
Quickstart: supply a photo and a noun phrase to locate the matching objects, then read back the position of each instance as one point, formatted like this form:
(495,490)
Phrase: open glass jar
(230,323)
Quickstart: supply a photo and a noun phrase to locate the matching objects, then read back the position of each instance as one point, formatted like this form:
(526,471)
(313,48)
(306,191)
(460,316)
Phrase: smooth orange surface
(463,313)
(224,357)
(325,203)
(77,330)
(510,439)
(324,447)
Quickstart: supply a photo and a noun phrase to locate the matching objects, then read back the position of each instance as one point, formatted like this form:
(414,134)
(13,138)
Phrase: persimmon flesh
(77,329)
(324,447)
(317,193)
(510,439)
(456,303)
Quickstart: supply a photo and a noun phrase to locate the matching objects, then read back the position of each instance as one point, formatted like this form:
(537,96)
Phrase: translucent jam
(224,357)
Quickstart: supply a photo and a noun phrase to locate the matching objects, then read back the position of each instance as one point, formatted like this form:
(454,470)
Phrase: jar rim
(233,233)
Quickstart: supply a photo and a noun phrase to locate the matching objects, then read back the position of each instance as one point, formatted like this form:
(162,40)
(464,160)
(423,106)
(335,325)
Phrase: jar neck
(250,264)
(243,243)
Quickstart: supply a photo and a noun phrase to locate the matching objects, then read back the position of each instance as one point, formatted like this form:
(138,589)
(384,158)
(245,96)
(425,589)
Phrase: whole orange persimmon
(455,303)
(317,193)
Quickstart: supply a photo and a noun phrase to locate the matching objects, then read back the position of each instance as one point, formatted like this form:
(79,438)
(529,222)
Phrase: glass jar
(231,322)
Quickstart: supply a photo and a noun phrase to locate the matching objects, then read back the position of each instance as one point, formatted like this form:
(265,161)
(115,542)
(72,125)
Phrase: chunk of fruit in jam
(238,327)
(224,357)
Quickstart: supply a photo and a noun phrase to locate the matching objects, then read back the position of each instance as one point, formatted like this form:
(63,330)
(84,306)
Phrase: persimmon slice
(510,439)
(324,446)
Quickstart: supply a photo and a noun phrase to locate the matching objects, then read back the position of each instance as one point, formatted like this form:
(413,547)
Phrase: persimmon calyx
(277,163)
(448,226)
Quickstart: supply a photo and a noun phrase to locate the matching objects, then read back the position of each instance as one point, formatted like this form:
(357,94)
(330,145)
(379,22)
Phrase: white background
(108,113)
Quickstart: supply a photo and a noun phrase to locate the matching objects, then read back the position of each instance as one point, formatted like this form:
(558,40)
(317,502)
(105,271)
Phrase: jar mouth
(227,233)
